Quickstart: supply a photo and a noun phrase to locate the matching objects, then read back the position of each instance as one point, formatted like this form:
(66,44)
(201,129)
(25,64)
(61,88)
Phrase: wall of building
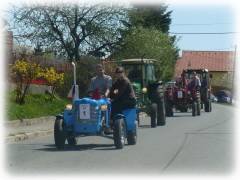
(33,89)
(222,80)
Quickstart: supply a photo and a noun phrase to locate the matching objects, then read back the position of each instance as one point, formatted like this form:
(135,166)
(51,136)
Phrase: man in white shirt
(101,82)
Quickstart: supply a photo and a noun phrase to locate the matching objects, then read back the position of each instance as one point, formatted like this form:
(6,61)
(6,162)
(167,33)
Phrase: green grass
(36,105)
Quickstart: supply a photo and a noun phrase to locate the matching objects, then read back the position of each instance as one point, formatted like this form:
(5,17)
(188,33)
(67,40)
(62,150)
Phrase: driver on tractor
(195,82)
(122,94)
(100,85)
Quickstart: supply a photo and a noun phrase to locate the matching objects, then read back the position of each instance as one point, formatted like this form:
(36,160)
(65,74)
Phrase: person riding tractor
(194,88)
(183,95)
(88,116)
(205,88)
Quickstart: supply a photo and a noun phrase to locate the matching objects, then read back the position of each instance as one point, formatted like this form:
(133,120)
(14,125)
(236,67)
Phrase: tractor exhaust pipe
(74,93)
(74,73)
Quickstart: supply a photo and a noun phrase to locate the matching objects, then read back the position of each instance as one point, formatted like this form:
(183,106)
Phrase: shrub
(23,72)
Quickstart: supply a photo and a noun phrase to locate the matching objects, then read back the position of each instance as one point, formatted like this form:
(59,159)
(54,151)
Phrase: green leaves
(150,43)
(71,30)
(151,17)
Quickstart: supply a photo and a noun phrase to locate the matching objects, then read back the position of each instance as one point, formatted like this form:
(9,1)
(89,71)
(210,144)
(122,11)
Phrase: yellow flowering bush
(53,78)
(23,72)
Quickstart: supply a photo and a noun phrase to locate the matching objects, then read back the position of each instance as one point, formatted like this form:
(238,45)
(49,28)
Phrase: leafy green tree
(85,71)
(157,17)
(150,43)
(70,30)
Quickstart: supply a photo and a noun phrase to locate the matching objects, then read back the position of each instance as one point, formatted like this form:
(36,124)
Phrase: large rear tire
(161,115)
(194,108)
(210,104)
(207,106)
(119,133)
(153,115)
(72,141)
(59,134)
(169,109)
(182,108)
(198,108)
(132,137)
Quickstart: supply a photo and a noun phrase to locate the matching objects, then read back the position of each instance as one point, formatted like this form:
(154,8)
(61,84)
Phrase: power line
(202,33)
(203,24)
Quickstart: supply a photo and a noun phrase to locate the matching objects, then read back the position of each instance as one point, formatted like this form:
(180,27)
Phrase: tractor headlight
(68,107)
(104,107)
(144,90)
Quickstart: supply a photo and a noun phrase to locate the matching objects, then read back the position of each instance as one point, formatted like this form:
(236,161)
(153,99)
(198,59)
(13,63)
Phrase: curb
(29,122)
(29,135)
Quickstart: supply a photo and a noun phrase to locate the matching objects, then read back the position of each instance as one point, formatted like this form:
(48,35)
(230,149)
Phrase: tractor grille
(94,114)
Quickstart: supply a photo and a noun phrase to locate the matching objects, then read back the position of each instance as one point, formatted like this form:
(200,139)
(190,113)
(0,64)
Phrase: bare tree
(70,30)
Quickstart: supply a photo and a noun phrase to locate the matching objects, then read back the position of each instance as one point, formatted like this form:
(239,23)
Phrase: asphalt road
(186,145)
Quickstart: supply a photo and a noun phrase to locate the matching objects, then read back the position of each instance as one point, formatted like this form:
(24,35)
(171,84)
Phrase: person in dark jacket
(122,94)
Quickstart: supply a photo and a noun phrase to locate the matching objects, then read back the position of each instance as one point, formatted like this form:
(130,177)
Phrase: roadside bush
(23,72)
(53,79)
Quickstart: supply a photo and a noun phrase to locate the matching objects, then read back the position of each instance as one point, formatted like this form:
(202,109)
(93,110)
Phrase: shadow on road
(80,147)
(144,126)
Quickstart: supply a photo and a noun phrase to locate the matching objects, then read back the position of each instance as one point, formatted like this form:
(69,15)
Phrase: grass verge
(36,105)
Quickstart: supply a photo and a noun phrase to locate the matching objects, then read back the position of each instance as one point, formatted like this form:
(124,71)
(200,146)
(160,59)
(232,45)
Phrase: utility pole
(234,64)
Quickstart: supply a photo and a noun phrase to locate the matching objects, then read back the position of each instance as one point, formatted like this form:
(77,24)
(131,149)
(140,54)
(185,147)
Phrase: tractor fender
(59,116)
(119,116)
(130,118)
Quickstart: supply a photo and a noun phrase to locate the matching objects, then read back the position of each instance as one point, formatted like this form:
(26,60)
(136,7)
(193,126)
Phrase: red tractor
(183,95)
(205,89)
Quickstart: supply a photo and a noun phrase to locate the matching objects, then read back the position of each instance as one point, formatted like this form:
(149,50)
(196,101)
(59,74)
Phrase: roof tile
(211,60)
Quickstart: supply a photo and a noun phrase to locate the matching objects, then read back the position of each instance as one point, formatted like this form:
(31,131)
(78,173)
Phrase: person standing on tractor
(122,93)
(100,85)
(195,82)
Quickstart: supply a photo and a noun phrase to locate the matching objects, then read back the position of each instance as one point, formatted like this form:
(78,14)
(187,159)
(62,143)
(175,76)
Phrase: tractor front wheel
(119,133)
(59,134)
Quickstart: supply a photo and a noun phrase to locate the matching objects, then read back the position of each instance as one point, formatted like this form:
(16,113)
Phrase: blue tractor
(88,116)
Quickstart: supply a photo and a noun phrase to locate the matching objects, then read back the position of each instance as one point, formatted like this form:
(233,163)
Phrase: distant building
(219,63)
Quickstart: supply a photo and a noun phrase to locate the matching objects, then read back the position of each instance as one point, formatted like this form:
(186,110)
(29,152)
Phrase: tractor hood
(92,102)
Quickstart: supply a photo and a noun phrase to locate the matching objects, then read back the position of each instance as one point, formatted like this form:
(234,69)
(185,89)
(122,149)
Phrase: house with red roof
(219,63)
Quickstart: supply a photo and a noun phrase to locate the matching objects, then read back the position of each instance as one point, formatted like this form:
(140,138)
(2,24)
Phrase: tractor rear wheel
(207,106)
(59,134)
(198,108)
(72,141)
(161,115)
(119,133)
(184,109)
(210,104)
(169,109)
(132,137)
(194,108)
(153,115)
